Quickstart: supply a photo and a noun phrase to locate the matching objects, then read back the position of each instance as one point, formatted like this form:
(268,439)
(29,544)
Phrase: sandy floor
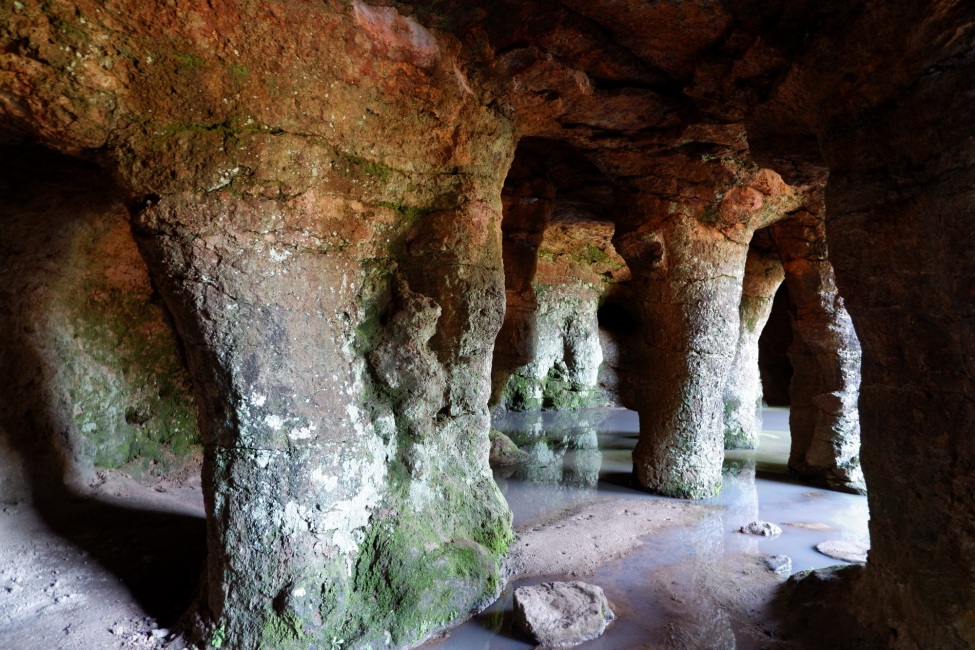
(112,570)
(116,569)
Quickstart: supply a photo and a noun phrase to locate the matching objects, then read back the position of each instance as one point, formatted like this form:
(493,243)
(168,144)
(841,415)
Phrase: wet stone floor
(686,587)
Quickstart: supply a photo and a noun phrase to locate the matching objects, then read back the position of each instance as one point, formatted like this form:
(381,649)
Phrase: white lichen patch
(365,477)
(279,255)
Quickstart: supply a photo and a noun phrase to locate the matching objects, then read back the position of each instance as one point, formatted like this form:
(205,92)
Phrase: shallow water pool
(662,592)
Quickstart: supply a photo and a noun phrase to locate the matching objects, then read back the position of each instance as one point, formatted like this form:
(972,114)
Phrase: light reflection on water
(658,591)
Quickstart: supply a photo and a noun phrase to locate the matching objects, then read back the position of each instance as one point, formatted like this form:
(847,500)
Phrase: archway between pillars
(553,186)
(95,387)
(560,268)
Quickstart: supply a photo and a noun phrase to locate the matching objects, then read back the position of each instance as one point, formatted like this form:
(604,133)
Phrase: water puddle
(674,590)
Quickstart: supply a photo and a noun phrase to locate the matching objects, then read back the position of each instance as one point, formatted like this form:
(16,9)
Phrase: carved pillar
(688,262)
(743,391)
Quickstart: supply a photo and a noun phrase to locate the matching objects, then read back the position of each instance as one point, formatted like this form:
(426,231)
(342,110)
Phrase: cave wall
(94,377)
(316,188)
(897,148)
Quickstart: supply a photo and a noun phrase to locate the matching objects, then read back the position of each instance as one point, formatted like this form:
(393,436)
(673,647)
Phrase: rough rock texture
(561,614)
(93,375)
(781,564)
(743,392)
(504,452)
(564,373)
(898,147)
(316,190)
(559,266)
(687,257)
(761,528)
(825,354)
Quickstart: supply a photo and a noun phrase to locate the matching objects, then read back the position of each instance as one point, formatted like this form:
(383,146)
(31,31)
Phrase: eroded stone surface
(743,391)
(561,614)
(761,528)
(844,550)
(825,354)
(261,147)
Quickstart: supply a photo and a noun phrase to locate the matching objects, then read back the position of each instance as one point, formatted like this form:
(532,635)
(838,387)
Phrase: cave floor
(110,570)
(115,569)
(691,581)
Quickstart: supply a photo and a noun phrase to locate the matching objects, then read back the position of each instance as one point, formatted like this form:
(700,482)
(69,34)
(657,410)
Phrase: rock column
(743,392)
(528,205)
(901,206)
(825,354)
(316,189)
(688,272)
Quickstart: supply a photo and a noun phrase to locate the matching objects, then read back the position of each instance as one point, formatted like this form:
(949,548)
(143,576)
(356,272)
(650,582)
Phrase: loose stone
(561,614)
(844,550)
(761,528)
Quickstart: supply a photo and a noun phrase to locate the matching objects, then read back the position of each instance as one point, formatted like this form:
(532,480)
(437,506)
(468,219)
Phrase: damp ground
(115,568)
(688,579)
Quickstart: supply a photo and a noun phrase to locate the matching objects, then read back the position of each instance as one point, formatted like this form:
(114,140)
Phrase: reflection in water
(663,591)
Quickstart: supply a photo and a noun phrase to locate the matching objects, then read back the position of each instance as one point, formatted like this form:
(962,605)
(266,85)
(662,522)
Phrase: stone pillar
(333,443)
(743,391)
(825,355)
(687,271)
(316,190)
(528,205)
(901,223)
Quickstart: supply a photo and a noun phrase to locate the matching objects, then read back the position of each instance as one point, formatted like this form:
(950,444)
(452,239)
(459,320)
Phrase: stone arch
(94,377)
(559,267)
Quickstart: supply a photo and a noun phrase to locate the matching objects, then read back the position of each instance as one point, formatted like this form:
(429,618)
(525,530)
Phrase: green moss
(375,169)
(593,255)
(126,390)
(410,214)
(217,638)
(189,61)
(682,490)
(283,632)
(239,71)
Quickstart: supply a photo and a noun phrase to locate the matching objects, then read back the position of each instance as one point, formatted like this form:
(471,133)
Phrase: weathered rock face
(93,374)
(559,265)
(825,354)
(688,273)
(336,280)
(743,392)
(316,187)
(899,210)
(561,614)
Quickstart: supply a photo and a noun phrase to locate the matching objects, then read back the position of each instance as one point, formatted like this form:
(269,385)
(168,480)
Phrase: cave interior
(299,252)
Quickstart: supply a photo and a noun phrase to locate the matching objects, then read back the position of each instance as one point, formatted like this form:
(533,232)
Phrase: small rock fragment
(761,528)
(561,614)
(810,525)
(504,452)
(844,550)
(780,564)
